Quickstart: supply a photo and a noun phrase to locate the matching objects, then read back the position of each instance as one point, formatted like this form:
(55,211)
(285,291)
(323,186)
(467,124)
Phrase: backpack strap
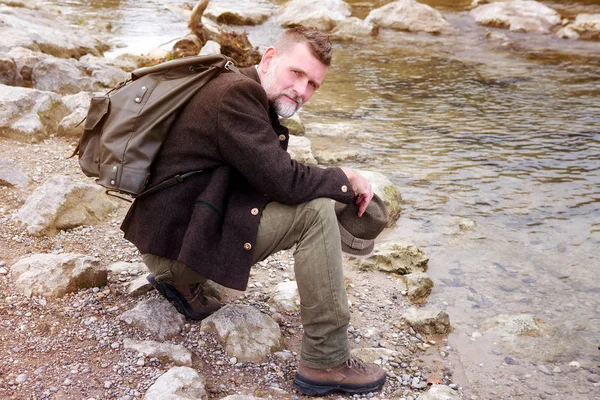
(168,183)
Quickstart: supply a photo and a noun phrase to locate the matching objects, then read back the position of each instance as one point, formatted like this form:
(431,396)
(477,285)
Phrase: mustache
(292,95)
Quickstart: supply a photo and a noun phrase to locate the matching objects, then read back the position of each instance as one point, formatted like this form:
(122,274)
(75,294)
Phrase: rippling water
(505,135)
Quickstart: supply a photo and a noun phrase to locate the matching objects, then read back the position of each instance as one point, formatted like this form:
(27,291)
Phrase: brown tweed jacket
(210,221)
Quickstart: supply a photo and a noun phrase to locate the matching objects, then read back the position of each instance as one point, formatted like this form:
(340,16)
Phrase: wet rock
(354,30)
(440,392)
(165,352)
(409,15)
(300,150)
(372,354)
(428,322)
(210,48)
(516,325)
(179,383)
(294,125)
(464,224)
(60,203)
(518,16)
(54,275)
(327,157)
(239,14)
(39,30)
(418,286)
(245,332)
(9,73)
(29,114)
(585,27)
(11,174)
(397,258)
(324,15)
(286,297)
(156,316)
(138,287)
(388,192)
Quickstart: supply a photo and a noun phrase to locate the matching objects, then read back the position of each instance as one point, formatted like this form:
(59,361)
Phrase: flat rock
(397,258)
(245,332)
(178,383)
(518,16)
(60,203)
(508,325)
(328,157)
(428,322)
(165,352)
(54,275)
(126,267)
(409,15)
(324,15)
(138,287)
(156,316)
(372,354)
(300,149)
(11,174)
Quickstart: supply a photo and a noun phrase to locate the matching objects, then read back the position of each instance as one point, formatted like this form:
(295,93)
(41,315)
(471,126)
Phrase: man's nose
(300,88)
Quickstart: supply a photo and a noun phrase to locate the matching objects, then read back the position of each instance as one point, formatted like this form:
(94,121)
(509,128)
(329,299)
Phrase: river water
(495,146)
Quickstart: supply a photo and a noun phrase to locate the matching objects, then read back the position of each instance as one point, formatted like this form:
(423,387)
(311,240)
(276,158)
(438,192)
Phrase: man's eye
(312,84)
(297,73)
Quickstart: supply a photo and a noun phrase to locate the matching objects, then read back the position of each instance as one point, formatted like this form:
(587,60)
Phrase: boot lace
(355,363)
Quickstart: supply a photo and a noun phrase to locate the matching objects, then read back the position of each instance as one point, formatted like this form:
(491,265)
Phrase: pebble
(21,378)
(497,352)
(544,369)
(67,382)
(594,378)
(107,384)
(3,271)
(509,361)
(475,335)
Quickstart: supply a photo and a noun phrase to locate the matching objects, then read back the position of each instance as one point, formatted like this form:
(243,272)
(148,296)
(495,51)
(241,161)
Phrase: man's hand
(361,187)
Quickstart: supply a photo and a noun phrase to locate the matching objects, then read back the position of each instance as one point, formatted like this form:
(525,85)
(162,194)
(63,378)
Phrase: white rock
(53,275)
(294,125)
(353,29)
(9,71)
(210,48)
(585,26)
(409,15)
(372,354)
(122,266)
(245,332)
(300,149)
(286,297)
(12,175)
(178,383)
(428,322)
(324,14)
(418,286)
(165,352)
(328,157)
(158,317)
(440,392)
(138,286)
(518,16)
(398,258)
(60,203)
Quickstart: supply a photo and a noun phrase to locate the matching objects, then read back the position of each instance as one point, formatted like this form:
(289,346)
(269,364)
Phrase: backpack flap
(88,148)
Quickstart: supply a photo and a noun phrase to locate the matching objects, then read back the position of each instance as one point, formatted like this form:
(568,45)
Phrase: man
(251,201)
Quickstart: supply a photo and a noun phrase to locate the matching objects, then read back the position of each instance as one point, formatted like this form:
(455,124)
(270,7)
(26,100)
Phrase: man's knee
(324,209)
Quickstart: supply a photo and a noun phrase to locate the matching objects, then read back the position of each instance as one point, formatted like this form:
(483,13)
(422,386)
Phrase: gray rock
(156,316)
(428,322)
(165,352)
(518,16)
(286,297)
(178,383)
(418,286)
(294,125)
(54,275)
(60,203)
(409,15)
(245,332)
(26,60)
(138,287)
(388,192)
(28,114)
(324,15)
(12,175)
(439,392)
(9,73)
(354,30)
(60,75)
(71,126)
(397,258)
(300,150)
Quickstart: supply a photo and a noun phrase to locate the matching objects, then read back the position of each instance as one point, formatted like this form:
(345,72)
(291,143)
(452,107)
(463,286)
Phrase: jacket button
(247,246)
(282,138)
(344,188)
(254,211)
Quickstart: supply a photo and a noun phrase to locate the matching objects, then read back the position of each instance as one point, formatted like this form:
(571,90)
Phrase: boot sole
(312,388)
(175,298)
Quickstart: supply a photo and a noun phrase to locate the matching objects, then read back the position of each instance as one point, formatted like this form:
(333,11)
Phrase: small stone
(594,378)
(497,352)
(574,364)
(453,386)
(544,369)
(475,335)
(21,378)
(3,271)
(67,382)
(107,384)
(509,360)
(140,362)
(114,345)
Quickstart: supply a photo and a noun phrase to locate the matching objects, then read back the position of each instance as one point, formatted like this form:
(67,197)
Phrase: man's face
(291,78)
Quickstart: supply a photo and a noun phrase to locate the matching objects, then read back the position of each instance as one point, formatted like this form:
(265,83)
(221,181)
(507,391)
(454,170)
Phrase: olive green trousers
(312,227)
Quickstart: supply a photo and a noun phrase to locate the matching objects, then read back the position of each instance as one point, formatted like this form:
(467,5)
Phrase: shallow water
(505,135)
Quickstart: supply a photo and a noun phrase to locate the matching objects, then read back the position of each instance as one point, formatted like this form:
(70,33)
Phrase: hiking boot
(189,300)
(352,376)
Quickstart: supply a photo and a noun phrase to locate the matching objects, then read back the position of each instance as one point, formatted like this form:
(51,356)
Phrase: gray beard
(282,107)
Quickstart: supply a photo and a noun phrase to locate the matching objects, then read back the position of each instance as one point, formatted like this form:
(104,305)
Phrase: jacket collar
(251,73)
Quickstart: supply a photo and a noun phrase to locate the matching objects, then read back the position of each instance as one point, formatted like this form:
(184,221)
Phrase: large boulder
(245,332)
(388,192)
(12,175)
(409,15)
(9,72)
(354,30)
(324,15)
(239,13)
(178,383)
(41,31)
(585,27)
(54,275)
(29,114)
(60,203)
(518,16)
(155,316)
(396,258)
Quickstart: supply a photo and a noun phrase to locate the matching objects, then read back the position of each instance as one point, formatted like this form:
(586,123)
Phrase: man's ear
(267,58)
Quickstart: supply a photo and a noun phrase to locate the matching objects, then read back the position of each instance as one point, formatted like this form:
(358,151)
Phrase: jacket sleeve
(249,143)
